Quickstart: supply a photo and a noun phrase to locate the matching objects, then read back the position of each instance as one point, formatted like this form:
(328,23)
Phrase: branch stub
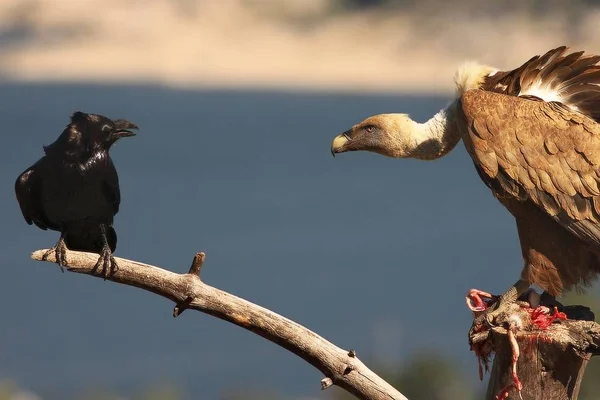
(326,382)
(197,263)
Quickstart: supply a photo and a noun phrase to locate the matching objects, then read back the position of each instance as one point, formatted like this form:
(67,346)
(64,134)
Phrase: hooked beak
(339,143)
(122,129)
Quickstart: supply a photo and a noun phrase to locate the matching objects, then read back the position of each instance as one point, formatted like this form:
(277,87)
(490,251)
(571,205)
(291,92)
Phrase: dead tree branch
(339,366)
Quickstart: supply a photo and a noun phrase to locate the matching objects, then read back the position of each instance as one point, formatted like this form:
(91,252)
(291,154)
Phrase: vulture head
(398,136)
(392,135)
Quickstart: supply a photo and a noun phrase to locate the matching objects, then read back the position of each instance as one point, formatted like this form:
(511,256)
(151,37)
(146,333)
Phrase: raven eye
(105,128)
(369,129)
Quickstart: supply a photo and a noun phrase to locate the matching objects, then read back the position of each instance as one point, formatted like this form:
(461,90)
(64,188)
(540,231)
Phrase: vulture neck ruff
(436,137)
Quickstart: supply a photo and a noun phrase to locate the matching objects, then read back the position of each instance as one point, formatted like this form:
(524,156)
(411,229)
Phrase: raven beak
(122,129)
(339,143)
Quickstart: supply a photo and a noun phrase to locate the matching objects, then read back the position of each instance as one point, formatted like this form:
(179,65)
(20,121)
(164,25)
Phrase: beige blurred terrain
(298,44)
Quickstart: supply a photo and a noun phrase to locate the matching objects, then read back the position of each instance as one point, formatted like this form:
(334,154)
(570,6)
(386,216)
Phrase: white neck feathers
(440,134)
(471,75)
(436,137)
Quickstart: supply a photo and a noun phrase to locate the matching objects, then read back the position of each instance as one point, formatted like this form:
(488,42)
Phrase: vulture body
(74,188)
(533,134)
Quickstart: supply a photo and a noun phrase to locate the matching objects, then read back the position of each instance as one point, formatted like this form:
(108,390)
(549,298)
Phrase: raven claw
(60,253)
(107,261)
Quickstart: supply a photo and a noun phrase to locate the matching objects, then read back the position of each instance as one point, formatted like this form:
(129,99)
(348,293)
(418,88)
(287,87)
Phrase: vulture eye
(369,129)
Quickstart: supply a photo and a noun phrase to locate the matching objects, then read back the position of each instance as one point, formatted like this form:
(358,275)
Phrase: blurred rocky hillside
(354,45)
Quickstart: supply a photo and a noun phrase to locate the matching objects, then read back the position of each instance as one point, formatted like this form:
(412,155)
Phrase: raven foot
(107,261)
(60,253)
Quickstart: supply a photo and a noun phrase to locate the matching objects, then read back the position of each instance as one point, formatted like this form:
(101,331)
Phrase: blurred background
(238,102)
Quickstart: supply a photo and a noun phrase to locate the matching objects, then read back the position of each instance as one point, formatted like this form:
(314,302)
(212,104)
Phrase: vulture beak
(122,129)
(339,143)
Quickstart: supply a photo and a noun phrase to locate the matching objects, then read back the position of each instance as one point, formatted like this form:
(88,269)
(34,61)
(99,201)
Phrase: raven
(74,188)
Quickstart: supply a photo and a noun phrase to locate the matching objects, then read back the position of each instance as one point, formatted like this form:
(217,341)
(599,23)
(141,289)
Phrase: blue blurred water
(373,253)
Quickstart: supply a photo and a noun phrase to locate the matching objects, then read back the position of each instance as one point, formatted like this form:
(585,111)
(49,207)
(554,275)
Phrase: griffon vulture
(533,134)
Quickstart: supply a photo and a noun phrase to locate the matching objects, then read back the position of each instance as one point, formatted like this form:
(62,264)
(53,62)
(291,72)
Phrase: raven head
(87,134)
(98,131)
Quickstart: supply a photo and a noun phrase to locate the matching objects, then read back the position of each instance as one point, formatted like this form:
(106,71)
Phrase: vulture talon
(503,303)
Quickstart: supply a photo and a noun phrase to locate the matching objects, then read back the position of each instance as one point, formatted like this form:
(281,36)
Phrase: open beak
(123,128)
(339,143)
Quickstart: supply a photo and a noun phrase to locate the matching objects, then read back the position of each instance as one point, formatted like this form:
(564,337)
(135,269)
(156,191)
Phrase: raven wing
(28,187)
(110,187)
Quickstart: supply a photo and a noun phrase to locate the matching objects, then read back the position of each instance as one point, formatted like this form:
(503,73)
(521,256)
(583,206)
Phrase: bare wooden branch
(195,269)
(339,366)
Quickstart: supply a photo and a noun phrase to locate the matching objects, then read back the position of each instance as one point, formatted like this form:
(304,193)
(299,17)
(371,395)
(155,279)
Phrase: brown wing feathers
(537,150)
(574,78)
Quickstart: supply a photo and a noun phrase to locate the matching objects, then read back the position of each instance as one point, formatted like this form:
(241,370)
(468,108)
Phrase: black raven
(74,188)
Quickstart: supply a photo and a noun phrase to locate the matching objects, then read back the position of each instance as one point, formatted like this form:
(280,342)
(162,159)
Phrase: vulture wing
(572,79)
(537,151)
(28,187)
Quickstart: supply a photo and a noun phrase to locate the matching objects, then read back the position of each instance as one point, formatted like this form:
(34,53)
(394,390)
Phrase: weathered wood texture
(551,362)
(340,367)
